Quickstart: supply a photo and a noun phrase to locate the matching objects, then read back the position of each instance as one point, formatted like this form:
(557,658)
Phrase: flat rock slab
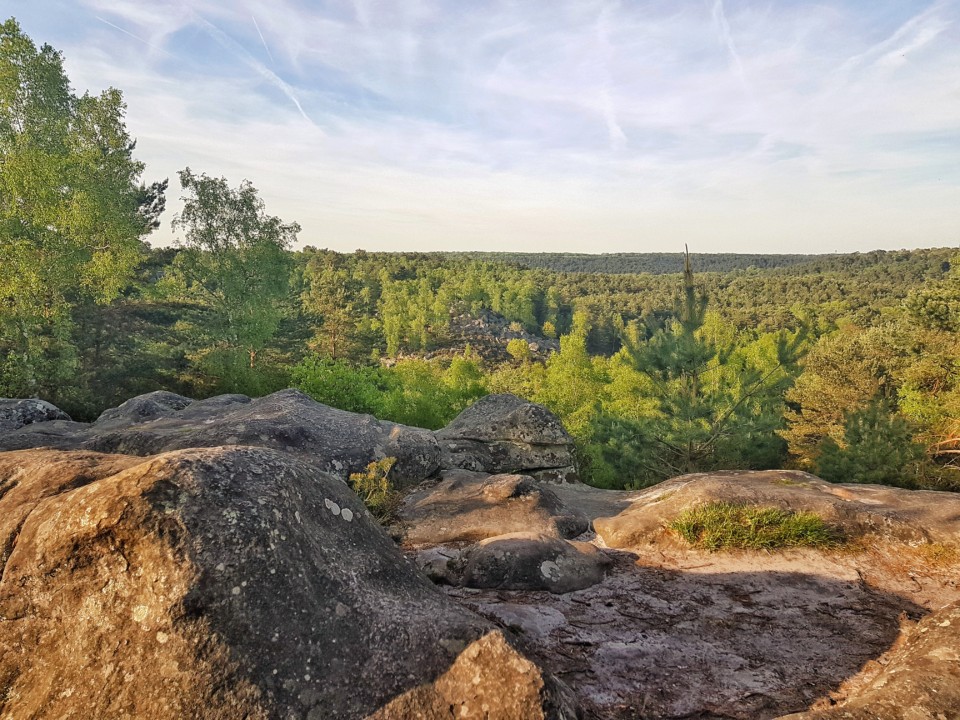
(336,441)
(905,515)
(227,583)
(468,507)
(703,635)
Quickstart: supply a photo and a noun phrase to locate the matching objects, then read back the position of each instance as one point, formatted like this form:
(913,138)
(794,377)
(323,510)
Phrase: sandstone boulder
(466,507)
(142,408)
(505,434)
(335,440)
(904,515)
(529,561)
(224,583)
(15,414)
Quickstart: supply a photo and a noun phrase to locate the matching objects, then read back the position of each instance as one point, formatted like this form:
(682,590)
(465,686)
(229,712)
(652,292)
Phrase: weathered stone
(505,434)
(335,440)
(507,417)
(142,408)
(16,414)
(466,507)
(919,679)
(223,583)
(905,515)
(531,561)
(556,475)
(503,456)
(488,680)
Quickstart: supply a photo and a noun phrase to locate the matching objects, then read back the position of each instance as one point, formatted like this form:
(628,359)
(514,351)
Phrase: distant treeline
(637,263)
(672,263)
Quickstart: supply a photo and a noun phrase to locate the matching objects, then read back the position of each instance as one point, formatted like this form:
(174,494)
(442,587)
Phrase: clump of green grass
(377,492)
(718,525)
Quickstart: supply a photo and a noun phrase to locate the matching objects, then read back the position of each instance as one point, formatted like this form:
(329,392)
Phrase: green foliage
(338,384)
(427,394)
(233,261)
(716,394)
(878,447)
(721,525)
(519,350)
(70,213)
(374,488)
(416,392)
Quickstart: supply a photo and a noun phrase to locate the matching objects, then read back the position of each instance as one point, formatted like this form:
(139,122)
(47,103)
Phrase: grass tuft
(718,525)
(377,492)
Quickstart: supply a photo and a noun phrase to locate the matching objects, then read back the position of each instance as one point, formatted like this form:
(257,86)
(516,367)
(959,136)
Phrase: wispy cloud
(579,124)
(723,30)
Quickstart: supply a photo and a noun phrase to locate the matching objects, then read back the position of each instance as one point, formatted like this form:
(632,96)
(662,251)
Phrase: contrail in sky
(127,32)
(257,26)
(720,18)
(266,73)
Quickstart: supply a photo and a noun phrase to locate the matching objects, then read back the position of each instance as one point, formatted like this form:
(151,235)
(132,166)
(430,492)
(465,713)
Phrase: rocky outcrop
(15,414)
(919,678)
(210,567)
(855,510)
(334,440)
(518,561)
(467,506)
(505,434)
(229,582)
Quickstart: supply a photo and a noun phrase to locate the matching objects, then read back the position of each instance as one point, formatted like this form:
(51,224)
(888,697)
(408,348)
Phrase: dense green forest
(636,263)
(842,364)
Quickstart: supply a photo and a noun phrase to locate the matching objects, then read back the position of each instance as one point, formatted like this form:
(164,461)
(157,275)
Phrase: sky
(544,125)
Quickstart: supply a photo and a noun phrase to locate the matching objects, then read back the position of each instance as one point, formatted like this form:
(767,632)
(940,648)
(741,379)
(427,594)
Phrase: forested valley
(658,364)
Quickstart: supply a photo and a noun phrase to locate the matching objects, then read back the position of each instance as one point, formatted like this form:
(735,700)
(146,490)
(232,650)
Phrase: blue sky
(545,125)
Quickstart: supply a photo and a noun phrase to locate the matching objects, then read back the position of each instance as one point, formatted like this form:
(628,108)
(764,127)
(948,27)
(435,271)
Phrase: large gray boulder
(16,414)
(505,434)
(467,506)
(518,561)
(225,583)
(334,440)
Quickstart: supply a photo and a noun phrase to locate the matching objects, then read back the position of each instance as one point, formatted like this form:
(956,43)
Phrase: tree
(234,260)
(717,398)
(843,372)
(72,211)
(878,447)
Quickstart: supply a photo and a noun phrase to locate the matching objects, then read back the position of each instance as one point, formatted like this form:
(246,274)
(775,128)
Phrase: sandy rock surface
(856,510)
(467,506)
(226,583)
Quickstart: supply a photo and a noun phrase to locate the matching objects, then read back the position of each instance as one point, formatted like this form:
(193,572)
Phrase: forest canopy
(658,363)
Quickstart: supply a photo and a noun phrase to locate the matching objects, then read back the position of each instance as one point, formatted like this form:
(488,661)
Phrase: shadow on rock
(658,643)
